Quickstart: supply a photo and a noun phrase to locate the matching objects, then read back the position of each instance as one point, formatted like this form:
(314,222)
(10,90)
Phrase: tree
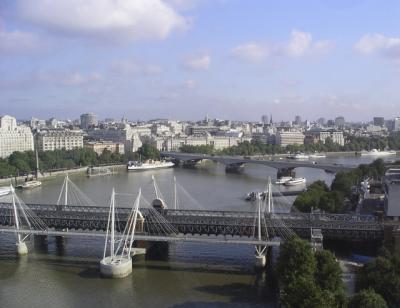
(147,151)
(328,276)
(295,259)
(367,299)
(302,292)
(383,276)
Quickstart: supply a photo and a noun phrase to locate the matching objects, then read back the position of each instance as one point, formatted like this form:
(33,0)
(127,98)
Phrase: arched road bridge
(237,162)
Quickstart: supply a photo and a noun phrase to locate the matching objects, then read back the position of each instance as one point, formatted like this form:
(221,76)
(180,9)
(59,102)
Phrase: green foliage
(318,196)
(383,276)
(309,279)
(328,276)
(367,299)
(295,259)
(19,163)
(147,151)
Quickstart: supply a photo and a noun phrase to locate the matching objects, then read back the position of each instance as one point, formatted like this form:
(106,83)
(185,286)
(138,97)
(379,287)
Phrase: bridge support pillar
(285,172)
(22,249)
(261,256)
(234,168)
(116,268)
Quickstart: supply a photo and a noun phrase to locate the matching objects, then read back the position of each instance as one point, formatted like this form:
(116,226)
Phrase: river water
(64,272)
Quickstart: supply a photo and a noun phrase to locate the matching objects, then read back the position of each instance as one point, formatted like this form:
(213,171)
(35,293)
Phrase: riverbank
(48,175)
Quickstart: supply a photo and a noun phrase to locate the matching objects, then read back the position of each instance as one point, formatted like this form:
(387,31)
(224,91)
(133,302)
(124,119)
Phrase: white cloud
(300,44)
(380,44)
(18,42)
(190,84)
(198,62)
(66,78)
(251,52)
(130,67)
(152,70)
(117,19)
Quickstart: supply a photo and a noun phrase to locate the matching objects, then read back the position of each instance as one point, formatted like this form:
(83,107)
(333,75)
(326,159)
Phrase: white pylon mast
(259,217)
(175,194)
(66,191)
(15,213)
(269,194)
(112,226)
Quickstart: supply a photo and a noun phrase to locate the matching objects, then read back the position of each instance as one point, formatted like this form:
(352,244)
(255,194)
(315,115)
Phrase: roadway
(274,163)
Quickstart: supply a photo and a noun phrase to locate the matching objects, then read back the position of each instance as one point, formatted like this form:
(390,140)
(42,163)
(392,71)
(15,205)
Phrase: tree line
(21,163)
(313,279)
(333,199)
(257,147)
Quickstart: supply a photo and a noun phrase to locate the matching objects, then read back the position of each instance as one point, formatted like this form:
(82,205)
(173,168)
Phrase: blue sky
(182,59)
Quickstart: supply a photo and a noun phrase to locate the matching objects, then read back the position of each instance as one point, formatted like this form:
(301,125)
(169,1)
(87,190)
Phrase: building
(88,120)
(13,137)
(50,140)
(339,121)
(297,120)
(379,121)
(285,138)
(217,142)
(321,135)
(396,124)
(100,146)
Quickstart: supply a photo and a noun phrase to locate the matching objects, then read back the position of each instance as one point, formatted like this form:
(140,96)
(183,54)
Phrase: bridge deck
(204,222)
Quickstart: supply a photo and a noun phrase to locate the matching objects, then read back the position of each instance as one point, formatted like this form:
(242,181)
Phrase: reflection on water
(63,272)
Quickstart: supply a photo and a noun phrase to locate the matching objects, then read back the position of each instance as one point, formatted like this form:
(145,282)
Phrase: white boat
(283,180)
(317,155)
(4,190)
(295,181)
(149,165)
(30,184)
(298,156)
(375,152)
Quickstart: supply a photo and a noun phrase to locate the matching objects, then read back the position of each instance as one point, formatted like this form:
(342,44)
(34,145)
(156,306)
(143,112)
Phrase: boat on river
(148,165)
(30,184)
(283,179)
(317,155)
(5,190)
(295,181)
(298,156)
(375,152)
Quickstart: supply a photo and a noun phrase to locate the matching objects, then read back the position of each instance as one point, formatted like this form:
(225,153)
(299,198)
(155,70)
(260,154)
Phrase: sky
(185,59)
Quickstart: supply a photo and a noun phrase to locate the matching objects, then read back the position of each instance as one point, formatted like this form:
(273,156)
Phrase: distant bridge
(239,161)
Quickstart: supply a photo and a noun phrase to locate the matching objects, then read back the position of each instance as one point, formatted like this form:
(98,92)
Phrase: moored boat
(298,156)
(30,184)
(283,180)
(375,152)
(148,165)
(295,181)
(5,190)
(317,155)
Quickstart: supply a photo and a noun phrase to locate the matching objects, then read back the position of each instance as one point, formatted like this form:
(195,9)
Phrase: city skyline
(222,57)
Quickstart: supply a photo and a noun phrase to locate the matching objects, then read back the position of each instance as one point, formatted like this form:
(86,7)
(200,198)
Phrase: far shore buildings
(285,138)
(58,139)
(14,137)
(100,146)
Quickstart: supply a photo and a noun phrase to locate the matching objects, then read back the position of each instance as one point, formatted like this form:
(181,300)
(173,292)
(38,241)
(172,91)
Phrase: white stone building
(13,137)
(285,138)
(50,140)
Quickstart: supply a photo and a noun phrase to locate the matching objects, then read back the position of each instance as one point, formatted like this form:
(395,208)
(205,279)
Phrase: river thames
(64,272)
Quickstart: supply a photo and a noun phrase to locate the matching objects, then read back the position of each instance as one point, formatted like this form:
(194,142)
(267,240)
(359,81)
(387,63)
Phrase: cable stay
(71,195)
